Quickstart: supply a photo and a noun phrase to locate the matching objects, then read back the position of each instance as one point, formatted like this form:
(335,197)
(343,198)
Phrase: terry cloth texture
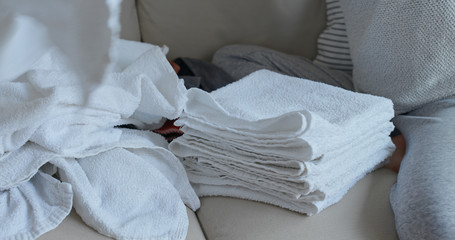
(33,27)
(123,187)
(402,50)
(300,148)
(332,43)
(125,183)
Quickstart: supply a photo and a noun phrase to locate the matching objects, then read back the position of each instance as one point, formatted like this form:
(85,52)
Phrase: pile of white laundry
(61,102)
(282,140)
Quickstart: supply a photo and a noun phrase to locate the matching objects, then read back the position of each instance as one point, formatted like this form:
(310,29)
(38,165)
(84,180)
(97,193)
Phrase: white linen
(71,25)
(317,113)
(212,185)
(47,99)
(131,190)
(226,152)
(34,207)
(292,141)
(307,186)
(49,118)
(20,166)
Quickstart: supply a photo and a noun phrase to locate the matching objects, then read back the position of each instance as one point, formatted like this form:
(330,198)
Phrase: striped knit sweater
(332,44)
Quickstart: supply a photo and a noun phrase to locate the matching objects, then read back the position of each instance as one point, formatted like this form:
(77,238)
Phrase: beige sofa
(196,28)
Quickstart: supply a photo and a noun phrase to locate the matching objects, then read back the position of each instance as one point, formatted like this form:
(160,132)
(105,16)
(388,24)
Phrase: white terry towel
(34,207)
(308,187)
(29,26)
(210,183)
(318,113)
(144,83)
(75,132)
(145,91)
(24,109)
(280,168)
(291,155)
(21,165)
(133,190)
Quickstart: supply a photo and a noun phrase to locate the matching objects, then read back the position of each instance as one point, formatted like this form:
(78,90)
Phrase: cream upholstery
(364,213)
(73,228)
(129,21)
(197,28)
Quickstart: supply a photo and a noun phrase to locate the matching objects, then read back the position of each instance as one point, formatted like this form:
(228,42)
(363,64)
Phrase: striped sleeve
(332,44)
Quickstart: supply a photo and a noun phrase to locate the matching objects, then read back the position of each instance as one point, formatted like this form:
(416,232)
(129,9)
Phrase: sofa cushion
(129,22)
(363,213)
(73,228)
(199,27)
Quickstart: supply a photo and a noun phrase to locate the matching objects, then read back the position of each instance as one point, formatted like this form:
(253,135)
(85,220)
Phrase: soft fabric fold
(34,207)
(140,197)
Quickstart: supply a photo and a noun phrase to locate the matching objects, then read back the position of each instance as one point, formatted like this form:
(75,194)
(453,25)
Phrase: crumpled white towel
(75,132)
(144,83)
(137,168)
(132,191)
(63,125)
(47,101)
(24,109)
(20,166)
(29,26)
(34,207)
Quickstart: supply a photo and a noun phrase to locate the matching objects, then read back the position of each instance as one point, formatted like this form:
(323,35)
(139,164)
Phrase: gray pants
(423,199)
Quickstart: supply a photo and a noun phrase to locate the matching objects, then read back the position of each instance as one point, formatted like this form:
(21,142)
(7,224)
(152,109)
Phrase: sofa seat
(363,213)
(73,228)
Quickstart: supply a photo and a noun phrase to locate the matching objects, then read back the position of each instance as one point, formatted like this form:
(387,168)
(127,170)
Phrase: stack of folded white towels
(282,140)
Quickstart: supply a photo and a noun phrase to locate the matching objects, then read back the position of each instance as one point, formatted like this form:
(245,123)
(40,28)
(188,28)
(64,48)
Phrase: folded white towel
(301,147)
(133,190)
(323,116)
(290,155)
(243,101)
(34,207)
(211,184)
(222,154)
(308,187)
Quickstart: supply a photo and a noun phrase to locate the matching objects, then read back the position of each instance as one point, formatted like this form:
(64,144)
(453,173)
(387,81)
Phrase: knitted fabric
(403,50)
